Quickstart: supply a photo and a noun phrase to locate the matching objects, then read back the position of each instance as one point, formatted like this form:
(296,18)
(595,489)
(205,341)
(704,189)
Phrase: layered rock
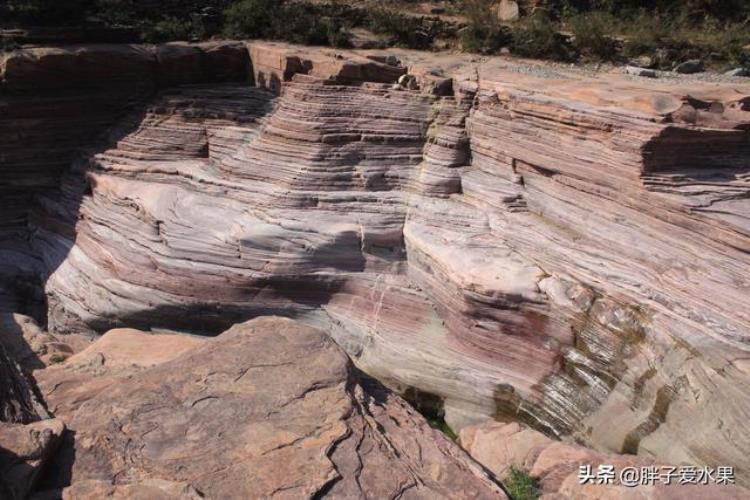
(564,249)
(269,408)
(566,470)
(57,101)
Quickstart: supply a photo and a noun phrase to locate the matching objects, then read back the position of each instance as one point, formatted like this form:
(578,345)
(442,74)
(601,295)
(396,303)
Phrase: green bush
(168,29)
(669,41)
(288,21)
(520,485)
(644,33)
(251,18)
(483,32)
(46,12)
(696,10)
(406,31)
(437,422)
(538,37)
(57,358)
(593,35)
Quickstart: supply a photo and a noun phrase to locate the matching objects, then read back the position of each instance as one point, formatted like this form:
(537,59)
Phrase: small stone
(642,62)
(738,72)
(636,71)
(408,82)
(392,60)
(442,87)
(507,10)
(690,66)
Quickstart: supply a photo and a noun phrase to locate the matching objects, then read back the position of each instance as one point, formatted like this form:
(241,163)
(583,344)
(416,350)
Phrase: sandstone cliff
(511,241)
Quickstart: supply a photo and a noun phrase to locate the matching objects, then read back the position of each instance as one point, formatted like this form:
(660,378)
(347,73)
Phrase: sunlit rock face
(505,241)
(269,408)
(57,101)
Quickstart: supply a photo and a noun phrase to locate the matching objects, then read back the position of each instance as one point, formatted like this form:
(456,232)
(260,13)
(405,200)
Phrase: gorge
(491,238)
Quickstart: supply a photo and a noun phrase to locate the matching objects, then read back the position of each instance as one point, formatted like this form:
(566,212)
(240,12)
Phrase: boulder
(690,66)
(269,407)
(24,450)
(642,62)
(507,10)
(637,71)
(738,72)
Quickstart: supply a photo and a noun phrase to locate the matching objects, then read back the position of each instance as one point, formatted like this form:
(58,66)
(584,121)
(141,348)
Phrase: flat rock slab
(269,408)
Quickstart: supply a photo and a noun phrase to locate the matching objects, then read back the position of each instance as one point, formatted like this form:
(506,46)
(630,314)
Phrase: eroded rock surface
(500,447)
(57,101)
(24,449)
(512,240)
(269,408)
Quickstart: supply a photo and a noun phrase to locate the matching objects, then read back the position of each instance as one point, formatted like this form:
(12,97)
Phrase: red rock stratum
(515,241)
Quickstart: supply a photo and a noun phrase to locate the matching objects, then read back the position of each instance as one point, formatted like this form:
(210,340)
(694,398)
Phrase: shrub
(483,32)
(644,33)
(592,35)
(46,12)
(57,358)
(672,40)
(437,422)
(520,485)
(290,21)
(251,18)
(406,31)
(538,37)
(168,29)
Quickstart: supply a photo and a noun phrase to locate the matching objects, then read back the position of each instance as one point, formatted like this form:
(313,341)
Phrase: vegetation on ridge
(520,485)
(660,32)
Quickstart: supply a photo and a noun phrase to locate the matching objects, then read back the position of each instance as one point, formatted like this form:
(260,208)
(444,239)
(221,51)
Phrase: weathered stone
(556,466)
(148,489)
(507,10)
(24,449)
(738,72)
(18,403)
(31,346)
(642,62)
(270,407)
(690,66)
(637,71)
(543,245)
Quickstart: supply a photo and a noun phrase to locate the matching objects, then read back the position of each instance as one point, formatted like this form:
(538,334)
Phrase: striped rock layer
(566,250)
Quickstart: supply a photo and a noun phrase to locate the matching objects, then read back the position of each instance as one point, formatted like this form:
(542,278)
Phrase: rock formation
(269,408)
(24,449)
(29,437)
(56,102)
(502,447)
(509,240)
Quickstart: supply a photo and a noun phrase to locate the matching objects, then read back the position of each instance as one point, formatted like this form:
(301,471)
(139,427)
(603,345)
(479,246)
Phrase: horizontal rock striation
(57,101)
(503,240)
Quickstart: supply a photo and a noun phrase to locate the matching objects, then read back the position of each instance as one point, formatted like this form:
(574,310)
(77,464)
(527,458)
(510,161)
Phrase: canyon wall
(56,102)
(491,238)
